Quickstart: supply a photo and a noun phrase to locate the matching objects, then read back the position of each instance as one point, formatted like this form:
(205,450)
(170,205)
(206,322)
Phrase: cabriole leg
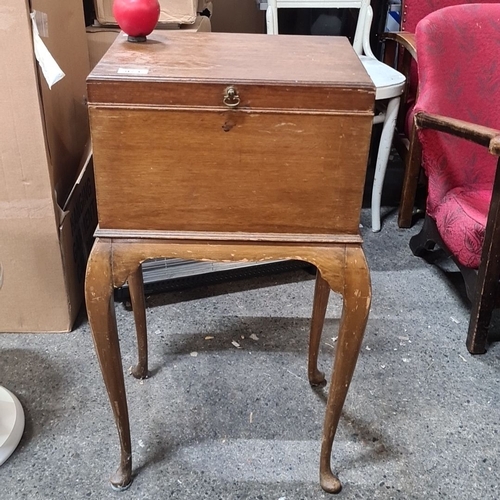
(356,306)
(321,295)
(102,319)
(136,289)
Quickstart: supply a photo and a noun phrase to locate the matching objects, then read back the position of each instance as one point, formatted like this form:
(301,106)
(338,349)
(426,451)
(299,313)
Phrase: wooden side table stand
(281,177)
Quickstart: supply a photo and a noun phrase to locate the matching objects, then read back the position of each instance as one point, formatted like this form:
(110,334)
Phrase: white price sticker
(133,71)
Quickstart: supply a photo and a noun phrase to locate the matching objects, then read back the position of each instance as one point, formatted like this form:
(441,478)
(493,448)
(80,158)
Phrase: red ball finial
(137,18)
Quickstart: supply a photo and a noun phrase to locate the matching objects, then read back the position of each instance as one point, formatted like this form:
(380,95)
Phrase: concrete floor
(420,421)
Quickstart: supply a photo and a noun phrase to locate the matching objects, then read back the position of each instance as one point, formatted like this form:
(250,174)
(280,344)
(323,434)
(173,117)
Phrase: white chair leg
(382,159)
(272,20)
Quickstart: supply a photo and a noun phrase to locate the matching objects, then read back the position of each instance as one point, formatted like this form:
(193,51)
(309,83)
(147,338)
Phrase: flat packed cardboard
(171,11)
(99,39)
(46,187)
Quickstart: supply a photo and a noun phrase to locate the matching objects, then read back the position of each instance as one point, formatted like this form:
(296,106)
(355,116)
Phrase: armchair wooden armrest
(484,136)
(484,287)
(407,40)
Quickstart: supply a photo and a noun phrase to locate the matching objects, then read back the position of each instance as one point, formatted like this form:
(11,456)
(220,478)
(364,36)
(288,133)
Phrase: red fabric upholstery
(412,12)
(459,77)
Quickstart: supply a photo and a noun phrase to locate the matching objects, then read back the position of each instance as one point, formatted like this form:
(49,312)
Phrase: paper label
(42,23)
(133,71)
(50,69)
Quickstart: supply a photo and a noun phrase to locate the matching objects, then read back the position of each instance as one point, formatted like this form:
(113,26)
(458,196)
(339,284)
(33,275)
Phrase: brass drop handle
(231,97)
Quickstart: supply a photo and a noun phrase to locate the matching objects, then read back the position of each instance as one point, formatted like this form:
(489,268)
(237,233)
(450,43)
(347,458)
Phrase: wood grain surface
(229,170)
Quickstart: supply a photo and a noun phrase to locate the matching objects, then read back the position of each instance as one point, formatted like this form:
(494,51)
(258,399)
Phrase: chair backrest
(459,77)
(361,42)
(413,11)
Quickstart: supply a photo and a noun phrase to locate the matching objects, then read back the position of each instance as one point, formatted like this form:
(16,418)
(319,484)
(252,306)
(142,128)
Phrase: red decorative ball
(137,18)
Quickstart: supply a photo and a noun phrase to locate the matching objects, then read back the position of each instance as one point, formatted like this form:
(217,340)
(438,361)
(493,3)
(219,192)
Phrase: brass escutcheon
(231,97)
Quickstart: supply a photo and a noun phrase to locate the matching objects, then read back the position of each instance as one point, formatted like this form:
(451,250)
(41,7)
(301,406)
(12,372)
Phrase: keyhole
(228,125)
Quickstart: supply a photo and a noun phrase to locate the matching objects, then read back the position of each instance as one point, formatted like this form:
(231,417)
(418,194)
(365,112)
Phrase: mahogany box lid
(327,66)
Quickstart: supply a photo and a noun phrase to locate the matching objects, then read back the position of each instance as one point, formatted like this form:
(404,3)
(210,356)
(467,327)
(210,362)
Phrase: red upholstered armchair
(412,12)
(457,115)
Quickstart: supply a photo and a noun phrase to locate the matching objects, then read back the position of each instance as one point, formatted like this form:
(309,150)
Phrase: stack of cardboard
(171,11)
(192,15)
(47,196)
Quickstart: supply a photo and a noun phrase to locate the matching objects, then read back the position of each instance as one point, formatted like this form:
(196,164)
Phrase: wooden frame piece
(222,159)
(408,148)
(482,287)
(341,267)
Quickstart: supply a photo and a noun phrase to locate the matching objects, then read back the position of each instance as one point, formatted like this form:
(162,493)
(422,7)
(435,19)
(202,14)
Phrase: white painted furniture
(389,83)
(11,423)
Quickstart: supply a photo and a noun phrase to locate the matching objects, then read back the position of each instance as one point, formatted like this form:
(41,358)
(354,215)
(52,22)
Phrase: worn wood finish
(138,301)
(182,185)
(479,134)
(484,136)
(222,58)
(215,147)
(406,40)
(487,287)
(483,287)
(321,295)
(357,298)
(253,96)
(234,237)
(340,267)
(402,143)
(413,161)
(142,130)
(102,320)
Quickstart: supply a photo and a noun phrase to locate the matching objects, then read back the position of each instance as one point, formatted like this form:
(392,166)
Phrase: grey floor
(219,422)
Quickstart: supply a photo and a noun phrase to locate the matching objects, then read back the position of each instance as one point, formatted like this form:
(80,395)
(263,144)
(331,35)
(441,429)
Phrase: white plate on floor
(11,423)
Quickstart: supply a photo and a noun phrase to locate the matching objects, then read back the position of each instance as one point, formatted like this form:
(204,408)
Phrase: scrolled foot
(140,372)
(121,479)
(317,379)
(120,488)
(329,482)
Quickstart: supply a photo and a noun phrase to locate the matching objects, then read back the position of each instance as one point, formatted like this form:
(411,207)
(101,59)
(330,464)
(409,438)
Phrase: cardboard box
(172,11)
(99,38)
(47,202)
(238,16)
